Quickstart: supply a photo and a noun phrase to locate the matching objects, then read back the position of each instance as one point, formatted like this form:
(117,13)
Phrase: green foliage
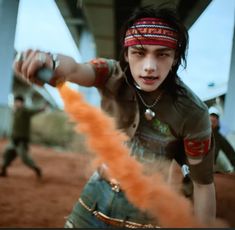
(53,128)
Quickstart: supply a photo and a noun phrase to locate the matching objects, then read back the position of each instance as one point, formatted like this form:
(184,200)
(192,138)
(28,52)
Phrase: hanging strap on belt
(114,221)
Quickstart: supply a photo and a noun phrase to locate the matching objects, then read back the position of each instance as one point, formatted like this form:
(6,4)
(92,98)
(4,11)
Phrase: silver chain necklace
(149,114)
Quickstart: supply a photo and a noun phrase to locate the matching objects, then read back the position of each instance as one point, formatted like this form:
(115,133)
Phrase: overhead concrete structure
(104,18)
(8,16)
(9,84)
(229,111)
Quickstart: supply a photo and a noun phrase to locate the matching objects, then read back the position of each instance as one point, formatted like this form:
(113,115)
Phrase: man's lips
(149,79)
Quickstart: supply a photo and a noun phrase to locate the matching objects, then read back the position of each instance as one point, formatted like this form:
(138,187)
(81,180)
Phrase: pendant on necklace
(149,114)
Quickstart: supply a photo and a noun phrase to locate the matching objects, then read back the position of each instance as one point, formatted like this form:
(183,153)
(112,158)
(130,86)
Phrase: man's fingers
(19,57)
(27,64)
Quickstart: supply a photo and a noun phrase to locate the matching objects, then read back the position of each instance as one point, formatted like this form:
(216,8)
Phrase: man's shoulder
(190,102)
(116,81)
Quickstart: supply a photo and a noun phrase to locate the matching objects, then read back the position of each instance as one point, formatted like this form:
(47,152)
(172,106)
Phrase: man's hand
(27,64)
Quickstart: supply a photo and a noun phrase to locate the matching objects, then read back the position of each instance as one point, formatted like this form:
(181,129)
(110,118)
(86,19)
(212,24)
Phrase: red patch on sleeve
(101,70)
(197,148)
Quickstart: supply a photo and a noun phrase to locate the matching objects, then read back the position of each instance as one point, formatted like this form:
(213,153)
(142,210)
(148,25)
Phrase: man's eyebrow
(161,49)
(164,49)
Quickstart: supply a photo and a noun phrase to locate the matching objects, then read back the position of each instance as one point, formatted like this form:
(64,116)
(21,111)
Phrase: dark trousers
(17,147)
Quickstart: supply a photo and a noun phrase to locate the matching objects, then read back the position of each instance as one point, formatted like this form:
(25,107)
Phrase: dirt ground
(26,201)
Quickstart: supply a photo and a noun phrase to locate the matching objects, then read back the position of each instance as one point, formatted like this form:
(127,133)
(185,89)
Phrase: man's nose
(150,65)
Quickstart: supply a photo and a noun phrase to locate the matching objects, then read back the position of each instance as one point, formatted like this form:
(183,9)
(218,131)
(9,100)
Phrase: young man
(20,136)
(221,142)
(163,118)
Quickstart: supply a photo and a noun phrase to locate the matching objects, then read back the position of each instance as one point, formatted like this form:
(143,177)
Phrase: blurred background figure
(224,152)
(20,137)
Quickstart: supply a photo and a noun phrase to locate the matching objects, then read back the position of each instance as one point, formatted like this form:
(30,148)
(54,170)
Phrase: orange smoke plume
(150,194)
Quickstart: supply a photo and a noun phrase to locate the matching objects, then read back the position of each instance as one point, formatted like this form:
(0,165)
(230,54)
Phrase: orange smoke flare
(150,194)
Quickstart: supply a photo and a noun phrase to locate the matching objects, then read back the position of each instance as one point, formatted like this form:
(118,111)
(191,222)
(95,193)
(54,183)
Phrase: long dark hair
(171,83)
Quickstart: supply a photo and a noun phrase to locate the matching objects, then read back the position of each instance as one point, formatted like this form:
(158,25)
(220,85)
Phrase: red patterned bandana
(151,31)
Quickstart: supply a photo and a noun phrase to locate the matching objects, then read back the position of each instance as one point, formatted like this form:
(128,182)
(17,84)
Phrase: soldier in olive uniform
(20,137)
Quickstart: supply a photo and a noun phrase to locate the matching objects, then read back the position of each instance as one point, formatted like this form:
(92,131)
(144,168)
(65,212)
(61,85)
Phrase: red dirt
(26,201)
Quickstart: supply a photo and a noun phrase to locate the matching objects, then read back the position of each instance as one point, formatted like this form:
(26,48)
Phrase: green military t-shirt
(181,125)
(21,122)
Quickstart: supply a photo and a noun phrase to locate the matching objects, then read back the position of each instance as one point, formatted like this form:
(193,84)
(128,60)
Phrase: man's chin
(148,88)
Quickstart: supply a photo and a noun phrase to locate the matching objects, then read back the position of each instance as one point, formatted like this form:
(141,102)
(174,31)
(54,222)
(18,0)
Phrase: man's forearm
(70,70)
(205,202)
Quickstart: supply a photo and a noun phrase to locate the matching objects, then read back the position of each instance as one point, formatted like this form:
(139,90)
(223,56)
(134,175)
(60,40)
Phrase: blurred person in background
(221,144)
(20,137)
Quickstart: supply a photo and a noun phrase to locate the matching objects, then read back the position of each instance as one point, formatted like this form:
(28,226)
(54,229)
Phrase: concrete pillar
(8,17)
(229,106)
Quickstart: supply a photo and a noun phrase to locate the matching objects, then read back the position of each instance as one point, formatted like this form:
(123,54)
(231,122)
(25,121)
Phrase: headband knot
(151,31)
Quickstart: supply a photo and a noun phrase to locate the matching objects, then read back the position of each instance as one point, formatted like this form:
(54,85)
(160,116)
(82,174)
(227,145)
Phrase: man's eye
(138,53)
(163,54)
